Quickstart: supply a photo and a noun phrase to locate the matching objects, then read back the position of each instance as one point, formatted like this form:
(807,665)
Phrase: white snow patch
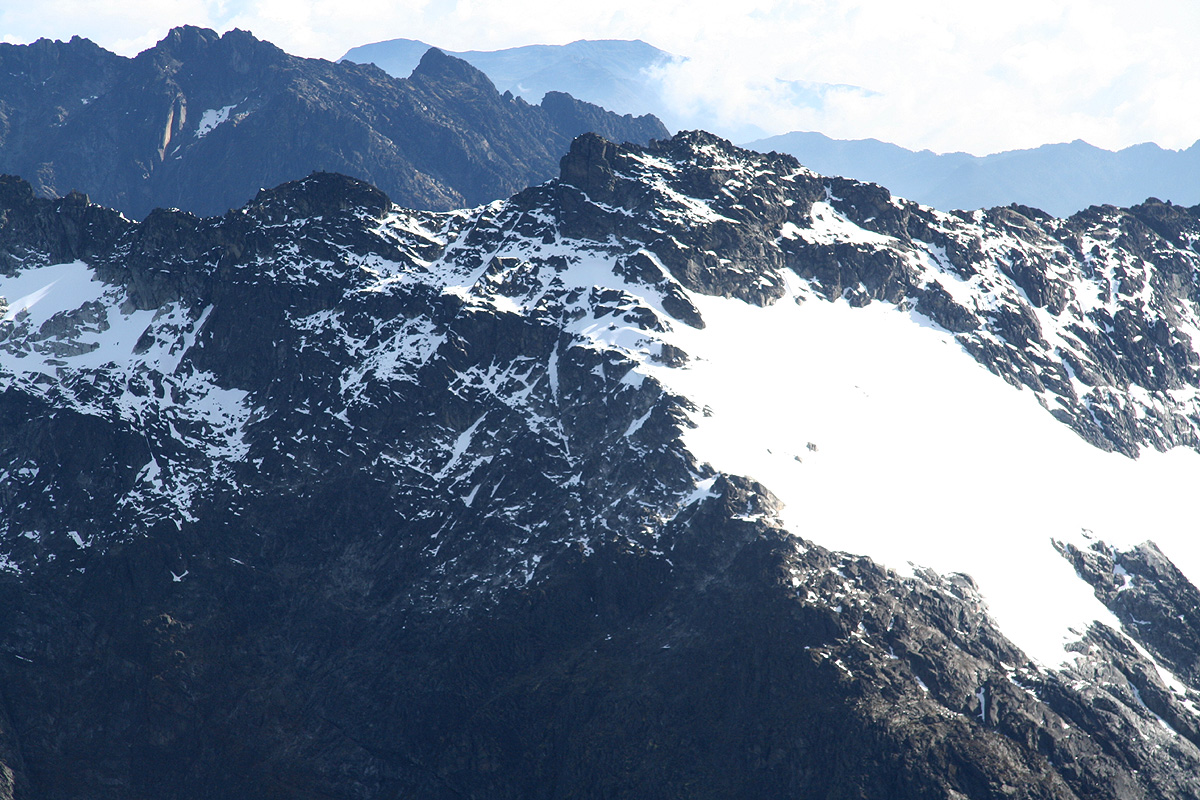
(552,373)
(211,118)
(703,491)
(925,457)
(829,226)
(1123,574)
(43,292)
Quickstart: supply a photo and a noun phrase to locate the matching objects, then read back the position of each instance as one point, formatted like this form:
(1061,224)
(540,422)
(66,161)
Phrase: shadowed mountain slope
(202,122)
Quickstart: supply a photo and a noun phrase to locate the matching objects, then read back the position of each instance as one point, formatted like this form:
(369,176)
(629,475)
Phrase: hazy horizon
(927,74)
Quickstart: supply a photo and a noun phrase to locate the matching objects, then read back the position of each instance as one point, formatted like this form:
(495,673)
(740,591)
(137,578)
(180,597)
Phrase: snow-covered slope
(635,419)
(920,457)
(880,432)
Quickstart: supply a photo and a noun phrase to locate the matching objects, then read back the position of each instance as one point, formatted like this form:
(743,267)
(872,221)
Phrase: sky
(938,74)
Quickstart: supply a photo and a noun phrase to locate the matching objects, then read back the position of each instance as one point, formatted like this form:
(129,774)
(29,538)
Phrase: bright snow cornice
(329,496)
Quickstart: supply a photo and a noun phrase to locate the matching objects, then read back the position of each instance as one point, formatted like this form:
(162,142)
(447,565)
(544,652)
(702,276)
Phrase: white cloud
(947,75)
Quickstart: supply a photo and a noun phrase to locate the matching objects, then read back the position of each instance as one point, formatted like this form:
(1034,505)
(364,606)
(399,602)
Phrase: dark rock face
(1156,604)
(323,497)
(201,122)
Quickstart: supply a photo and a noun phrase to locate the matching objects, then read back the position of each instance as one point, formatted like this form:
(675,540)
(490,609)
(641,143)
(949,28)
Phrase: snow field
(920,456)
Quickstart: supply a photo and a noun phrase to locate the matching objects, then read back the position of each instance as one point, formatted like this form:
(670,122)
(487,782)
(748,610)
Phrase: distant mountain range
(634,77)
(1058,178)
(201,122)
(630,77)
(616,74)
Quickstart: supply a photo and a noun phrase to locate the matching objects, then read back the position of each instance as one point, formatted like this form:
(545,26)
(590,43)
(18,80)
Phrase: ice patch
(925,457)
(211,118)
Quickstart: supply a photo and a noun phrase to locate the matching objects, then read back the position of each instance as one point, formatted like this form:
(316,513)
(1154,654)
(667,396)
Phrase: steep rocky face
(328,497)
(1150,596)
(201,122)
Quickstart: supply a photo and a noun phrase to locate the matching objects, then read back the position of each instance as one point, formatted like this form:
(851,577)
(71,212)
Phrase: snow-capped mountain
(690,472)
(1061,179)
(202,122)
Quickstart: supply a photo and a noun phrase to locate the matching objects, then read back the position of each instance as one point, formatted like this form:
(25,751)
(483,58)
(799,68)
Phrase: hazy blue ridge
(616,74)
(1058,178)
(625,76)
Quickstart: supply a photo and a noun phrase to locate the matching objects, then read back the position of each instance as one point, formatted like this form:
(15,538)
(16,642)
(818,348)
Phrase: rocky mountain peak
(193,59)
(1170,221)
(188,40)
(442,71)
(588,166)
(321,194)
(202,122)
(47,231)
(333,497)
(15,192)
(53,68)
(580,117)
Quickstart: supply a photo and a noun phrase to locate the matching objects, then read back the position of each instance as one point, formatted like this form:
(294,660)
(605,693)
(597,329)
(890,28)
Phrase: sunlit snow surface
(41,293)
(883,437)
(63,330)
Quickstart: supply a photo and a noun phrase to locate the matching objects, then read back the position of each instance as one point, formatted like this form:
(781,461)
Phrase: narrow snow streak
(460,447)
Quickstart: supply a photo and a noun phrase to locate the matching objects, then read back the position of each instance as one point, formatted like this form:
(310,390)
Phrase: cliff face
(201,122)
(325,497)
